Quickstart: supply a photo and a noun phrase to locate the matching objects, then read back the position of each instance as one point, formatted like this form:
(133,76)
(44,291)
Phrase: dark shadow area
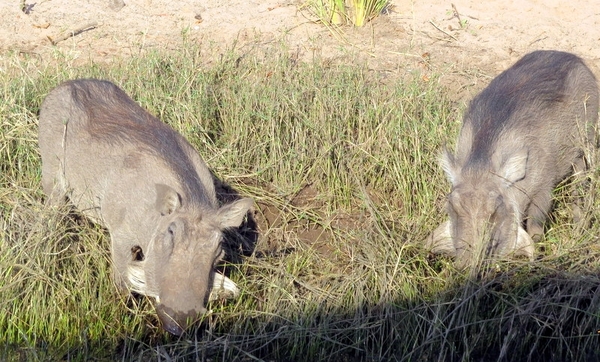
(527,313)
(241,241)
(499,316)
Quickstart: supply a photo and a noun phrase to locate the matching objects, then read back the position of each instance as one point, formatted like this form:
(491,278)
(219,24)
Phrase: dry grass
(342,164)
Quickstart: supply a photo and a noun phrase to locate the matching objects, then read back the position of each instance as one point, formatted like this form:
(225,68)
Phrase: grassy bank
(342,164)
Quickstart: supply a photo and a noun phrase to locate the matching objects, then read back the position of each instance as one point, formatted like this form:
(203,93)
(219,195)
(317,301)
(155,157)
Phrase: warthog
(131,172)
(523,134)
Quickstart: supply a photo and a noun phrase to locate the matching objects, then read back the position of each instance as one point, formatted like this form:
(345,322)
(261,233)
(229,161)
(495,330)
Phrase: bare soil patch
(466,41)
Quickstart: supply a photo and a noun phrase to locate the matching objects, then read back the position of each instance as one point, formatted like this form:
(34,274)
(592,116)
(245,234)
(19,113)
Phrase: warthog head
(483,214)
(177,266)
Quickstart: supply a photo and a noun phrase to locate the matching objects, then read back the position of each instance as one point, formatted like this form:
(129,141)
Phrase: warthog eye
(169,238)
(136,253)
(499,201)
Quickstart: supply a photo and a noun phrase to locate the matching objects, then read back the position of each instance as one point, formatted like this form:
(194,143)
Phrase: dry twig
(440,29)
(79,30)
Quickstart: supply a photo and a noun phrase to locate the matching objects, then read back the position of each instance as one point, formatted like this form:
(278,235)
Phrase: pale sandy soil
(413,36)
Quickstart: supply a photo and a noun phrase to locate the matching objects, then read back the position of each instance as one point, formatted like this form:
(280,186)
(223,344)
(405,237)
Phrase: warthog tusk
(223,287)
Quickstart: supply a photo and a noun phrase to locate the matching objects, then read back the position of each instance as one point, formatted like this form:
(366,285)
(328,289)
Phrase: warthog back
(528,130)
(124,168)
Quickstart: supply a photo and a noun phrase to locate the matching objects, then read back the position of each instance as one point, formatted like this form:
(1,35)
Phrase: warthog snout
(176,315)
(176,322)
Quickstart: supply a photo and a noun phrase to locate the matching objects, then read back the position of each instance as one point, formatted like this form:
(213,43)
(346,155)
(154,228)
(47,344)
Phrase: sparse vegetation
(343,165)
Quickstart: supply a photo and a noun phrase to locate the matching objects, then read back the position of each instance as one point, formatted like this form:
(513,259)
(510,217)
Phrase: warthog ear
(167,199)
(440,240)
(514,168)
(232,215)
(448,163)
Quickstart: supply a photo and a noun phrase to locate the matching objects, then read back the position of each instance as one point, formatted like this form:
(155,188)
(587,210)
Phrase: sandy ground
(467,41)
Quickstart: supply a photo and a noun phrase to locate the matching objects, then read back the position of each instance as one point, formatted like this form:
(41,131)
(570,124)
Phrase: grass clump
(340,12)
(342,164)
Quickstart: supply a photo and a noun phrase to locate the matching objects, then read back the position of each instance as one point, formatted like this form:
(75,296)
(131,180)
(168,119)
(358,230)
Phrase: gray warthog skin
(522,135)
(134,174)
